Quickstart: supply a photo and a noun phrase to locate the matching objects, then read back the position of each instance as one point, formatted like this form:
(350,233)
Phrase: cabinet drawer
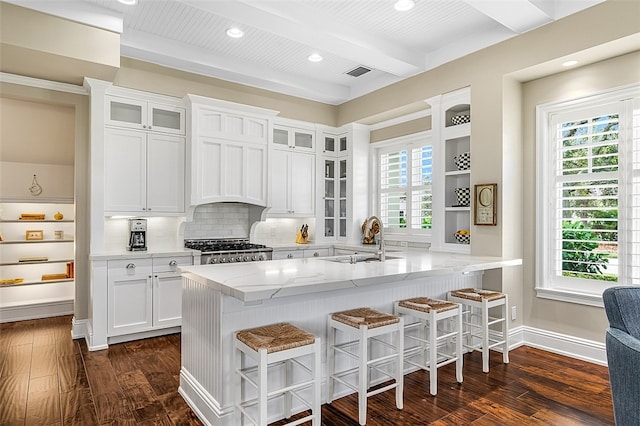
(129,267)
(322,252)
(170,263)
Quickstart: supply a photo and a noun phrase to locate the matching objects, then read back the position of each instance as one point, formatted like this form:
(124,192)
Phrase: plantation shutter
(406,187)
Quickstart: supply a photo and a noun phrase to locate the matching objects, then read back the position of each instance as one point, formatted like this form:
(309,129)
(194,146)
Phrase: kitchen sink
(358,258)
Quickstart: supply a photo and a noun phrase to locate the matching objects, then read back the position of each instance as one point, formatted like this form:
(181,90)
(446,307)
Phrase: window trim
(544,287)
(408,142)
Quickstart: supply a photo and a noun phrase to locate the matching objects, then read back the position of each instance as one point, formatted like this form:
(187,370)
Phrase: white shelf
(36,262)
(35,221)
(35,241)
(28,283)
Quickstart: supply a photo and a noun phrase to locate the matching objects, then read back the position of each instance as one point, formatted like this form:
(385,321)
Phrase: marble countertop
(256,281)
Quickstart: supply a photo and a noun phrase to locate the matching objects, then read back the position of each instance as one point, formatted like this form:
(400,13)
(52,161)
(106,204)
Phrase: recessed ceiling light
(315,57)
(235,32)
(128,2)
(569,63)
(404,5)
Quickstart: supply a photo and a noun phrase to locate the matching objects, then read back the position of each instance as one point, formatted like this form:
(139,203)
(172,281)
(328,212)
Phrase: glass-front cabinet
(143,115)
(294,138)
(335,181)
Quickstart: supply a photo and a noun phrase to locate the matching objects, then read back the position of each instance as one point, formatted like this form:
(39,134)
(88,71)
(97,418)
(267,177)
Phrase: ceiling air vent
(358,71)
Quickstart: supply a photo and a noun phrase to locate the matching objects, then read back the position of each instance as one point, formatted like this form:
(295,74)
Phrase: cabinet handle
(131,266)
(289,256)
(173,263)
(316,254)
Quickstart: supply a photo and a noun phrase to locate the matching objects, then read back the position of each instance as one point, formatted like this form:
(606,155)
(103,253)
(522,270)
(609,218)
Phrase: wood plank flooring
(46,378)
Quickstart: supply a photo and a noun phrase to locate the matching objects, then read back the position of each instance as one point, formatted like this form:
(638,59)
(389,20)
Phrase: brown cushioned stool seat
(368,325)
(438,335)
(276,346)
(477,295)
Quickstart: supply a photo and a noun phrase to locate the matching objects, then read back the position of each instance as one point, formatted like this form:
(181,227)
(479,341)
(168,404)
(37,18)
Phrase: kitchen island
(219,299)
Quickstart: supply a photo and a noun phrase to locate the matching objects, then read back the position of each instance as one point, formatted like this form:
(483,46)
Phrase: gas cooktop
(224,245)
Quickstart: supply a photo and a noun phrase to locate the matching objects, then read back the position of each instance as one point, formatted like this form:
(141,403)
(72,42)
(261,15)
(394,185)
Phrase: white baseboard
(79,328)
(571,346)
(48,309)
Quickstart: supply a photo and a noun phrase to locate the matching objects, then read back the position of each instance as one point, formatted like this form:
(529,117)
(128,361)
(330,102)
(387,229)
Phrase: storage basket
(460,119)
(463,238)
(463,196)
(463,161)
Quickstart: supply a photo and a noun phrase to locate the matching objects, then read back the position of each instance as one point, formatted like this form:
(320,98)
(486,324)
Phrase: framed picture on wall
(34,234)
(485,196)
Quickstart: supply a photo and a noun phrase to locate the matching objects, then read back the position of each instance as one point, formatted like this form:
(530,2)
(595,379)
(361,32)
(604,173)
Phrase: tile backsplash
(219,220)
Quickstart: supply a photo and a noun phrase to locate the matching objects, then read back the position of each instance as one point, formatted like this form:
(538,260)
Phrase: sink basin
(358,258)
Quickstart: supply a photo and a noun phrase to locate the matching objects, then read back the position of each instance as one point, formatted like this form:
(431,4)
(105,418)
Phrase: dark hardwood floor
(46,378)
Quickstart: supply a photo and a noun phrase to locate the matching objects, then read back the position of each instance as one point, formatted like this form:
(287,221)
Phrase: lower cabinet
(144,294)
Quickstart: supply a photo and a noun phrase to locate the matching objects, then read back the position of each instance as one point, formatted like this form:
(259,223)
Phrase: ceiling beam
(290,20)
(517,15)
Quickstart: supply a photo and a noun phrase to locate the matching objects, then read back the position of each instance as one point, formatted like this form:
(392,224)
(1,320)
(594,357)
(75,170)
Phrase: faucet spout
(381,249)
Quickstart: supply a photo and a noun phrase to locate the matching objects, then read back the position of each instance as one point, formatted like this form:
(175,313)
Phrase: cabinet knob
(149,127)
(131,266)
(144,126)
(173,263)
(316,254)
(289,256)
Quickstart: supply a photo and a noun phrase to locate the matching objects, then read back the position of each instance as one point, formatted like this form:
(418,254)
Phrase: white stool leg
(485,337)
(505,330)
(262,388)
(317,377)
(288,380)
(331,340)
(433,353)
(400,371)
(237,381)
(459,360)
(362,376)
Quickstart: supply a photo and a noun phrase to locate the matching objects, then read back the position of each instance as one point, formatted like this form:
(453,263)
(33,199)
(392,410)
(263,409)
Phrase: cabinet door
(123,112)
(165,175)
(129,290)
(255,168)
(279,181)
(302,183)
(166,119)
(167,299)
(125,169)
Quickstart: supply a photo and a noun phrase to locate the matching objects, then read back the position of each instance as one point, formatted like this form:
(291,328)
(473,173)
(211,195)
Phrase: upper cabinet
(228,151)
(452,197)
(333,145)
(143,115)
(294,138)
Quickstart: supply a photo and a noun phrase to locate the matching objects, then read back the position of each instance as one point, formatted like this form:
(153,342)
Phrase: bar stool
(368,324)
(443,344)
(477,322)
(270,346)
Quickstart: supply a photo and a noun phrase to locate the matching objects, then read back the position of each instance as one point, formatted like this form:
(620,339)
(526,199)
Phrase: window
(588,196)
(405,186)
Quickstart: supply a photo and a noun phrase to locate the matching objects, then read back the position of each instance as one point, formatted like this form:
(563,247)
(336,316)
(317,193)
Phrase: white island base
(210,315)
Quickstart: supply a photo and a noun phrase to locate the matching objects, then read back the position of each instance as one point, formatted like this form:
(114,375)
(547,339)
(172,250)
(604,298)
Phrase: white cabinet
(228,156)
(292,184)
(130,296)
(144,294)
(294,138)
(143,115)
(144,172)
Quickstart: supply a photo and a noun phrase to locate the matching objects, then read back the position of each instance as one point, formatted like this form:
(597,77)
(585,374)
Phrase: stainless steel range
(229,250)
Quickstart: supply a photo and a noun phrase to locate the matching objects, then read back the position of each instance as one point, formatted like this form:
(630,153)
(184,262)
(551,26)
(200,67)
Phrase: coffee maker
(137,235)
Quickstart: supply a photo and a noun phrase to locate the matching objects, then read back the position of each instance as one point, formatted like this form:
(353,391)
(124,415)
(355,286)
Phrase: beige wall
(403,129)
(63,104)
(567,318)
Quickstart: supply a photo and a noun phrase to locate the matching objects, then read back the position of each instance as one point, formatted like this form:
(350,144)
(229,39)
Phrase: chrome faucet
(381,249)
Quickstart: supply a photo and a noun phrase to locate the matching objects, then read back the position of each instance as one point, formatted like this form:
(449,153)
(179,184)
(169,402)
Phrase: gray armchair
(622,305)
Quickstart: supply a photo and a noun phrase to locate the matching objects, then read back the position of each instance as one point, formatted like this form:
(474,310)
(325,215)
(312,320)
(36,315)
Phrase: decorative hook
(35,189)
